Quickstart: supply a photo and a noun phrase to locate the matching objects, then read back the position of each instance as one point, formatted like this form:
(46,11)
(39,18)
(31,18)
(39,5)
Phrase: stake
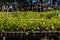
(7,11)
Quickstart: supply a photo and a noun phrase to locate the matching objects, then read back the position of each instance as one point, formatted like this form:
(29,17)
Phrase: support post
(51,2)
(4,38)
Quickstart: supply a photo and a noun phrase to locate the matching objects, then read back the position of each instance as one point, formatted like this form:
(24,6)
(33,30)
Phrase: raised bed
(30,26)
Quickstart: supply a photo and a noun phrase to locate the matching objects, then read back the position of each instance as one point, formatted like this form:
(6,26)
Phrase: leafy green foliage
(30,21)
